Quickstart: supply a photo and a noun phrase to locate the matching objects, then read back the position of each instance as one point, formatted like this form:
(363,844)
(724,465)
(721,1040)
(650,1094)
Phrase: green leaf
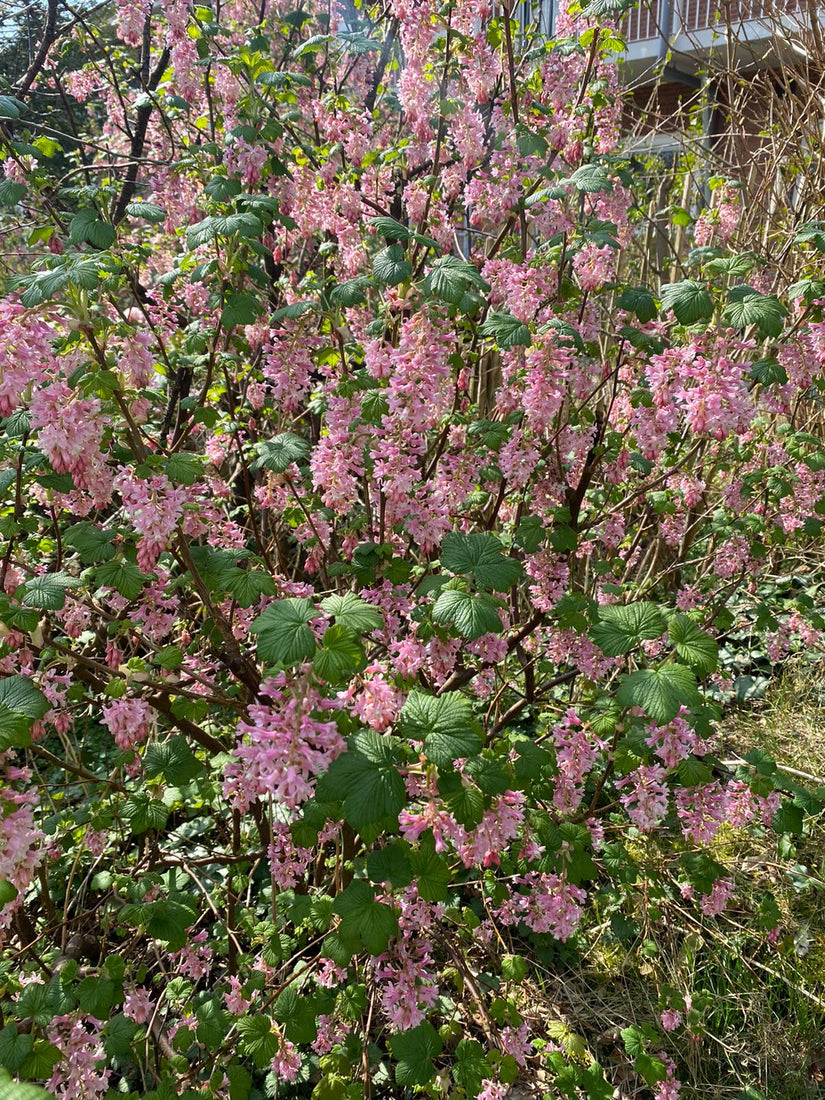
(789,819)
(638,300)
(119,1035)
(88,227)
(11,192)
(247,585)
(748,307)
(92,543)
(413,1052)
(651,1068)
(14,1050)
(514,968)
(148,211)
(340,656)
(463,799)
(298,1012)
(245,225)
(36,1001)
(240,1082)
(391,266)
(689,300)
(143,813)
(258,1039)
(450,278)
(445,723)
(811,234)
(366,779)
(354,613)
(660,691)
(768,371)
(390,864)
(471,615)
(530,143)
(693,773)
(279,453)
(11,106)
(222,188)
(213,1021)
(183,468)
(480,556)
(470,1066)
(507,331)
(241,309)
(19,1090)
(8,892)
(168,920)
(47,591)
(390,229)
(809,289)
(292,311)
(622,627)
(364,918)
(693,645)
(123,576)
(19,695)
(634,1041)
(350,293)
(41,1061)
(97,995)
(591,178)
(284,638)
(173,760)
(432,873)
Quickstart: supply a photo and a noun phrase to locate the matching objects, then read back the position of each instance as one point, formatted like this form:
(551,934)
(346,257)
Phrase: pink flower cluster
(70,430)
(153,507)
(128,720)
(82,1071)
(283,748)
(20,840)
(646,796)
(287,861)
(195,959)
(577,751)
(551,904)
(25,351)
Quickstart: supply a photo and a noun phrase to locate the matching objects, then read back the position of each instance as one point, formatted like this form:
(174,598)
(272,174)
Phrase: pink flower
(70,430)
(714,903)
(234,1000)
(195,959)
(153,507)
(646,797)
(671,1018)
(128,721)
(493,1090)
(482,846)
(138,1006)
(551,904)
(287,1061)
(669,1088)
(282,749)
(82,1071)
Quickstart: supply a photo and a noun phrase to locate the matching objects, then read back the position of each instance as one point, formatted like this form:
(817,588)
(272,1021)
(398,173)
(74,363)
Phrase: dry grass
(764,1022)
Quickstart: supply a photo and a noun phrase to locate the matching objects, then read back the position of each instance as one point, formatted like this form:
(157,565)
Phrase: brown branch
(49,35)
(144,113)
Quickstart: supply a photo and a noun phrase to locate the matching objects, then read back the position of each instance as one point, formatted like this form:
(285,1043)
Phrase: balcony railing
(689,16)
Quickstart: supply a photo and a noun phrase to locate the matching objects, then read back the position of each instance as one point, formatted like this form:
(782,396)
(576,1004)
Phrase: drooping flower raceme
(282,749)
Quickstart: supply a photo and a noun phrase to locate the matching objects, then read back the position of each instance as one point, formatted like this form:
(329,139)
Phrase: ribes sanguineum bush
(373,514)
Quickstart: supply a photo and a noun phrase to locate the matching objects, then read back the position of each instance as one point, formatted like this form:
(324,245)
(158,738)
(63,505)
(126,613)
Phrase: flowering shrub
(371,523)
